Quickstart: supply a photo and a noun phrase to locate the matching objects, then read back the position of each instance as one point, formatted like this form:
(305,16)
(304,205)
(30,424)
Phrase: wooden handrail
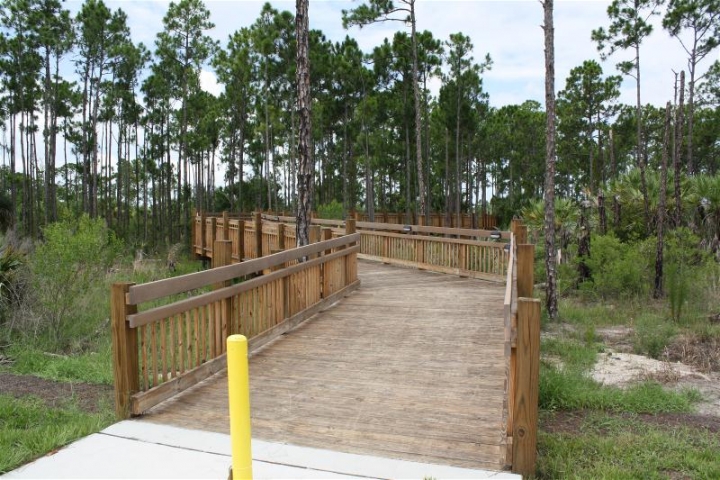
(166,349)
(162,288)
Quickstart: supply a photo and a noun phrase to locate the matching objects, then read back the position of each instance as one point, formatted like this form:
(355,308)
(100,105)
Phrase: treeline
(96,124)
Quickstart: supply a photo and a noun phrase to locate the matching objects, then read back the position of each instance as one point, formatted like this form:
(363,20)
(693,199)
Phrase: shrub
(331,211)
(617,268)
(652,335)
(65,270)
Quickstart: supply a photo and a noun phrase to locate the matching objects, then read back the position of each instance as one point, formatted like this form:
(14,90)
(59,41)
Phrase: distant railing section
(477,253)
(178,338)
(464,220)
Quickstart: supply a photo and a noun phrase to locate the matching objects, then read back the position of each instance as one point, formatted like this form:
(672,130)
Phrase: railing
(522,353)
(465,220)
(163,350)
(476,253)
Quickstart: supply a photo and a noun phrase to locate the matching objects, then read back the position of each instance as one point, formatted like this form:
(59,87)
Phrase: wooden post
(349,226)
(525,270)
(281,236)
(201,243)
(420,244)
(258,235)
(222,256)
(210,241)
(241,240)
(324,275)
(126,369)
(525,404)
(226,226)
(520,231)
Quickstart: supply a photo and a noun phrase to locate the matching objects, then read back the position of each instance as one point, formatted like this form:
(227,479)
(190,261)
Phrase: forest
(95,124)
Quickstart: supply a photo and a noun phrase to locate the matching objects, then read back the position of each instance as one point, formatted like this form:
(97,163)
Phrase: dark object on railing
(407,229)
(496,235)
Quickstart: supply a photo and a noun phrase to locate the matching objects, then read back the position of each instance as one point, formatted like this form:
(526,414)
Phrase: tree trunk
(658,292)
(691,116)
(677,160)
(305,164)
(418,122)
(550,258)
(640,155)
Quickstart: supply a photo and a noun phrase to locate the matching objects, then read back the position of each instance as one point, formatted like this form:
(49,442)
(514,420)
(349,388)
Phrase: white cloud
(209,83)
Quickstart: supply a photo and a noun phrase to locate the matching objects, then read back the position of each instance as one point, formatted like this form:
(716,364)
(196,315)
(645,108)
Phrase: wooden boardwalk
(410,366)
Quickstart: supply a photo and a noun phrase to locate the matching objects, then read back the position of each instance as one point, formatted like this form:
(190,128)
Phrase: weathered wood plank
(415,372)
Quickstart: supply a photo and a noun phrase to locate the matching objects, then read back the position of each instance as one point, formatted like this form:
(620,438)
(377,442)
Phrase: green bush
(617,268)
(652,335)
(331,211)
(65,270)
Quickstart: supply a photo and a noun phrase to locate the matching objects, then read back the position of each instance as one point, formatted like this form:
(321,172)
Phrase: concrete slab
(137,449)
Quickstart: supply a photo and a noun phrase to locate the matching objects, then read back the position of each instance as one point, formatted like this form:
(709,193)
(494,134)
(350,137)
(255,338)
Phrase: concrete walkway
(133,449)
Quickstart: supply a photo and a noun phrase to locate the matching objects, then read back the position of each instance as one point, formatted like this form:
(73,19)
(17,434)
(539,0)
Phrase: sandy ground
(619,367)
(616,366)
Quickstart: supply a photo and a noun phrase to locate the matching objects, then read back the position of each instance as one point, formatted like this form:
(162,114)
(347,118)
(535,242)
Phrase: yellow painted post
(239,398)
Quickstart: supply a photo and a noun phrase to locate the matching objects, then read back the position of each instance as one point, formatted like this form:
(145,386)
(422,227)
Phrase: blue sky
(509,30)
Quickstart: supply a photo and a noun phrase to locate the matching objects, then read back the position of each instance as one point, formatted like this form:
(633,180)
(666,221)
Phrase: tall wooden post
(201,242)
(525,270)
(325,266)
(520,231)
(210,234)
(222,256)
(226,226)
(525,403)
(281,236)
(258,235)
(125,349)
(241,240)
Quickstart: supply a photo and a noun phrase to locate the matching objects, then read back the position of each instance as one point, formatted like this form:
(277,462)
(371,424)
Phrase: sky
(510,30)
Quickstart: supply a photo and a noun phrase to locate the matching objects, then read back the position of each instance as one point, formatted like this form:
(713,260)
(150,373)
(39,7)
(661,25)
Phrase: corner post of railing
(226,226)
(125,349)
(526,392)
(240,239)
(525,269)
(201,243)
(239,404)
(257,218)
(281,236)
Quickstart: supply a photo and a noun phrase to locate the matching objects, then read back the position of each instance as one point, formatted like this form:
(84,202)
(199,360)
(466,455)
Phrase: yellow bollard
(239,396)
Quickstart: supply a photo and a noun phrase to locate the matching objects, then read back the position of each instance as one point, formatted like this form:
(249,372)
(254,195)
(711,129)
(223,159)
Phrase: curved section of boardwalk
(410,366)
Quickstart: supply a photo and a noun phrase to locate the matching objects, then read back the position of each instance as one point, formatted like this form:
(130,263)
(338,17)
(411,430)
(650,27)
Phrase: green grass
(607,447)
(89,367)
(28,429)
(570,389)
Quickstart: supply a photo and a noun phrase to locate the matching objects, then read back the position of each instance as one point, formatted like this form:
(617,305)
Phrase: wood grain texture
(410,366)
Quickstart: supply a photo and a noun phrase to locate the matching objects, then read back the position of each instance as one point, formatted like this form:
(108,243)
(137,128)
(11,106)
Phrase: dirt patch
(624,369)
(88,397)
(618,337)
(616,368)
(574,422)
